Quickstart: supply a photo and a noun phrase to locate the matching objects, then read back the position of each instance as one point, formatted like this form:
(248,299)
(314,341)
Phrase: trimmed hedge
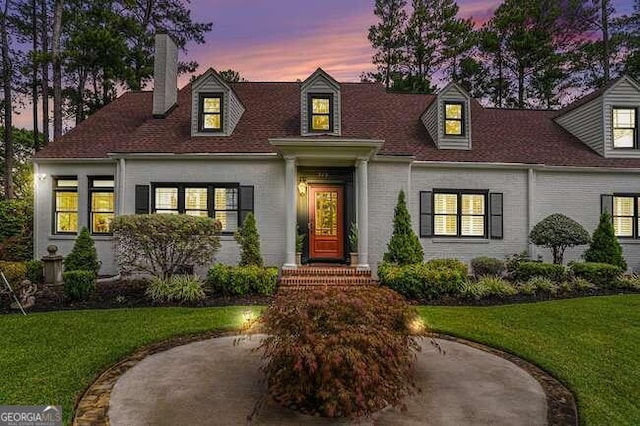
(526,270)
(603,275)
(483,266)
(78,285)
(242,280)
(435,278)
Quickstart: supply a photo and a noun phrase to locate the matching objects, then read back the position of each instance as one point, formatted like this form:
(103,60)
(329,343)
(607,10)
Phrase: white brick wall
(512,183)
(43,218)
(267,176)
(577,195)
(385,182)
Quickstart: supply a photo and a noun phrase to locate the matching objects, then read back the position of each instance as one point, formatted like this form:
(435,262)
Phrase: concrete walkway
(214,382)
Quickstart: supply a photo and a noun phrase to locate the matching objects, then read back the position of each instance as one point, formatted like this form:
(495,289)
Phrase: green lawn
(50,358)
(591,344)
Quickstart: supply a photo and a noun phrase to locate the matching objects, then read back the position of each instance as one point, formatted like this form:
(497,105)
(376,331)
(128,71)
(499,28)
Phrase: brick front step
(315,277)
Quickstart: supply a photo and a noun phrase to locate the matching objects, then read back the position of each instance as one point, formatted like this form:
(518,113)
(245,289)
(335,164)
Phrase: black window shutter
(426,214)
(606,204)
(496,216)
(142,199)
(246,202)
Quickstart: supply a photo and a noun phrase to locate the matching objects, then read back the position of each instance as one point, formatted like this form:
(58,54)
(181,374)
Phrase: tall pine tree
(387,38)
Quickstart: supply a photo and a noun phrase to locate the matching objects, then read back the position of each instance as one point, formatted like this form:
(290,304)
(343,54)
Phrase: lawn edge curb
(92,406)
(561,403)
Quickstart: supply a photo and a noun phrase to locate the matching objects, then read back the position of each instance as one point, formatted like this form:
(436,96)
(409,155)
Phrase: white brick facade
(576,194)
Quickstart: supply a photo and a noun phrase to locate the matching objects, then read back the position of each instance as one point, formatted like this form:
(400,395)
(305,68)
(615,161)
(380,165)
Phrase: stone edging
(561,404)
(92,406)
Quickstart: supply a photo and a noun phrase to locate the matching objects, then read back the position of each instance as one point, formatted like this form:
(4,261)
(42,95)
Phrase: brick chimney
(165,76)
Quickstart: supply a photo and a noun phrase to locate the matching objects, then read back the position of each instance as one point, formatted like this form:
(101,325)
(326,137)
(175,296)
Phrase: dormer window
(211,112)
(321,113)
(453,118)
(624,128)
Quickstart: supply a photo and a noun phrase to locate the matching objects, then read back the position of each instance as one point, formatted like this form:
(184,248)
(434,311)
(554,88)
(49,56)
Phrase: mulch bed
(119,294)
(519,298)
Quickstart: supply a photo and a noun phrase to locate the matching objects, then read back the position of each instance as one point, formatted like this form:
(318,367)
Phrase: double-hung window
(320,113)
(454,118)
(218,201)
(625,215)
(459,214)
(624,127)
(65,199)
(211,112)
(101,204)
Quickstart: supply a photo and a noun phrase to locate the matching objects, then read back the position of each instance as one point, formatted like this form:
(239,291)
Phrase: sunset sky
(285,40)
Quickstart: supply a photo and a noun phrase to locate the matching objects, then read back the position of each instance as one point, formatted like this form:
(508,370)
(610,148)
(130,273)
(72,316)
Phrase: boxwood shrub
(242,280)
(340,353)
(603,275)
(483,266)
(429,280)
(526,270)
(78,285)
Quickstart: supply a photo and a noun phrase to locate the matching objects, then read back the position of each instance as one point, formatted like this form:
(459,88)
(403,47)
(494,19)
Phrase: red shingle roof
(368,111)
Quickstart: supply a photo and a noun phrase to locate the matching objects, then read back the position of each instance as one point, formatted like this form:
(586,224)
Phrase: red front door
(326,222)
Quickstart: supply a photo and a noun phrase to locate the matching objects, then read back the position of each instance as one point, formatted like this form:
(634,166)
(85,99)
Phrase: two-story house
(319,155)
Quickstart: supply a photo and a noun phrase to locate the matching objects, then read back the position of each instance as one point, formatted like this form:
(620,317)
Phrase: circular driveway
(217,382)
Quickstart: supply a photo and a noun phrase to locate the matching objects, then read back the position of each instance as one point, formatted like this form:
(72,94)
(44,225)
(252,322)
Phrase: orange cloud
(342,49)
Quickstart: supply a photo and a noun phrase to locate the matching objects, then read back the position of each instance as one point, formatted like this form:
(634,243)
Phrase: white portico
(316,154)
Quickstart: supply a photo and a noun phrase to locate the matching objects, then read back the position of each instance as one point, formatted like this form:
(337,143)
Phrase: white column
(363,213)
(290,212)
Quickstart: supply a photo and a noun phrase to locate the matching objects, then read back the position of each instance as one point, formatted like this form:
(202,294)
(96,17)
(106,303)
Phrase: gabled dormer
(320,105)
(215,108)
(448,118)
(607,119)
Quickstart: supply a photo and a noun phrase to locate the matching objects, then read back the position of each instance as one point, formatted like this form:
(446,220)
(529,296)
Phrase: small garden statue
(26,295)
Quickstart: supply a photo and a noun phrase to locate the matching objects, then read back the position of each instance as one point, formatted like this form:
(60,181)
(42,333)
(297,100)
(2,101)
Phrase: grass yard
(591,344)
(49,358)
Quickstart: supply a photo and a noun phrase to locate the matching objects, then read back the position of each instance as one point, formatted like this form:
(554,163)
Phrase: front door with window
(326,241)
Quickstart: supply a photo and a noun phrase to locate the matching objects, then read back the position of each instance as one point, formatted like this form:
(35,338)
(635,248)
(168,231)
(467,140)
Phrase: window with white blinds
(459,214)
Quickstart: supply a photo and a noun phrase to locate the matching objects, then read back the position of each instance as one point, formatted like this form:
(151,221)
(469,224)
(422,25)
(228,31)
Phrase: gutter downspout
(36,187)
(531,208)
(121,186)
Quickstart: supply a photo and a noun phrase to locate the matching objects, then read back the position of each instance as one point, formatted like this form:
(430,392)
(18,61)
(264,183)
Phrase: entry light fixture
(41,176)
(302,187)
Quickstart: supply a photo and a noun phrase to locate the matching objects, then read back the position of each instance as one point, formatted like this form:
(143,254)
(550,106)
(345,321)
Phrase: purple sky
(285,40)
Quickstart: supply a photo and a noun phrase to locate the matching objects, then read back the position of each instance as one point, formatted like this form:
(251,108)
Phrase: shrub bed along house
(250,276)
(242,280)
(525,270)
(340,353)
(178,288)
(429,280)
(483,266)
(603,275)
(78,285)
